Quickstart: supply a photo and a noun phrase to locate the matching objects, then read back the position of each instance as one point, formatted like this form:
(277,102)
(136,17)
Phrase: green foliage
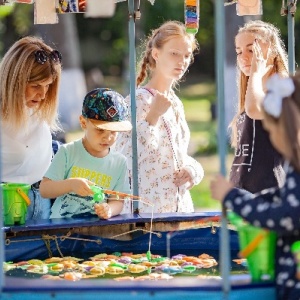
(23,19)
(104,41)
(5,10)
(16,21)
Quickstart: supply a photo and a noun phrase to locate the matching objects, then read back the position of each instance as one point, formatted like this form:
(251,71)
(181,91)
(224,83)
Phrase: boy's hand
(220,187)
(81,186)
(103,210)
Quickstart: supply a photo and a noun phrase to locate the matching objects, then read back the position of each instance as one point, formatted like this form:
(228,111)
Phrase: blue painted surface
(183,288)
(151,295)
(120,219)
(189,242)
(177,288)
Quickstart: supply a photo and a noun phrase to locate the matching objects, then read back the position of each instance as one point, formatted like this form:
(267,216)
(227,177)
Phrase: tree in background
(98,47)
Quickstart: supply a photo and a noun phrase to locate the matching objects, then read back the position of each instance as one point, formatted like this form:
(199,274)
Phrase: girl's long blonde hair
(157,39)
(18,68)
(265,32)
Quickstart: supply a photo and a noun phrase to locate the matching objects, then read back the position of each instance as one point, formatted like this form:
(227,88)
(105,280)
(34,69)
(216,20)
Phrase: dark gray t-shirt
(256,165)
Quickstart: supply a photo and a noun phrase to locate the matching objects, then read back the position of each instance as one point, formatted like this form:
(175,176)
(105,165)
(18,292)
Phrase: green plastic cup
(295,248)
(261,256)
(15,201)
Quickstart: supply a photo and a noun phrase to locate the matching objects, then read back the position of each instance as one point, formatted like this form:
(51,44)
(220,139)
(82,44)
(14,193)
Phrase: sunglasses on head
(41,56)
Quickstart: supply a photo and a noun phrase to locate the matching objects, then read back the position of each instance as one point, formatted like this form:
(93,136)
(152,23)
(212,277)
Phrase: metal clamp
(293,7)
(230,2)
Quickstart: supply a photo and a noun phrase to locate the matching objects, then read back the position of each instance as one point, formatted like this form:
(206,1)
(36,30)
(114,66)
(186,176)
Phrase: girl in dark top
(276,209)
(260,53)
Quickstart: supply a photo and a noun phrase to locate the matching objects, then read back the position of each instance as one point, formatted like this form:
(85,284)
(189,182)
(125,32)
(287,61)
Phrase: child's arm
(273,209)
(220,187)
(108,210)
(55,188)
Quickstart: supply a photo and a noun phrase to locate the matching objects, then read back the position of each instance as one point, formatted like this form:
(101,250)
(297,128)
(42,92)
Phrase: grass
(197,99)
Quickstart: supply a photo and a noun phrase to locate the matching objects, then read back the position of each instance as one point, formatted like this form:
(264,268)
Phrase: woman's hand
(103,211)
(220,187)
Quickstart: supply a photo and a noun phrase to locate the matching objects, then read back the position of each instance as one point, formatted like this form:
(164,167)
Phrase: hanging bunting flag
(191,15)
(3,2)
(71,6)
(45,12)
(95,9)
(24,1)
(249,7)
(151,1)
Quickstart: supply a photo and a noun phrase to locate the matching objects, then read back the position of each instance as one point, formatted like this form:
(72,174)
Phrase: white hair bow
(277,89)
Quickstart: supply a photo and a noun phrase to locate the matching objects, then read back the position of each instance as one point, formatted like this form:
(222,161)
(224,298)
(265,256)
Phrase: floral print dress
(161,150)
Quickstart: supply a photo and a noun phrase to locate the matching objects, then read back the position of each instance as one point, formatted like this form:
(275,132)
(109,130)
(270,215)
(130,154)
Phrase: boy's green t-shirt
(72,160)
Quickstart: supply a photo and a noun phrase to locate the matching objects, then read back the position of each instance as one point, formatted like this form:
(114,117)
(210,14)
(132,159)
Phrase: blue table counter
(169,233)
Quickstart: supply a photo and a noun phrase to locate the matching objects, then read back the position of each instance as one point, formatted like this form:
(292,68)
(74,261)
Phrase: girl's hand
(181,177)
(260,59)
(103,211)
(220,187)
(160,104)
(81,186)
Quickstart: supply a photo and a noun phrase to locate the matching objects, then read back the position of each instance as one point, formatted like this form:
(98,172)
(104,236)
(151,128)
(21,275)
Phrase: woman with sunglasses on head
(30,73)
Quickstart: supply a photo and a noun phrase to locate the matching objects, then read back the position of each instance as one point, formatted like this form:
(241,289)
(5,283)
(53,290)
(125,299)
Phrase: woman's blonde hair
(289,119)
(19,67)
(157,39)
(267,33)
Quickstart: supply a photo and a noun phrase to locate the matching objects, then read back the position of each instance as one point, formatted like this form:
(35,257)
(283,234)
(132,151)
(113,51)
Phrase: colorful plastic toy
(99,194)
(258,246)
(192,12)
(15,202)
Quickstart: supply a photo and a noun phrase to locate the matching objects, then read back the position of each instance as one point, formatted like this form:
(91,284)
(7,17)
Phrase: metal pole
(224,253)
(132,75)
(291,9)
(2,232)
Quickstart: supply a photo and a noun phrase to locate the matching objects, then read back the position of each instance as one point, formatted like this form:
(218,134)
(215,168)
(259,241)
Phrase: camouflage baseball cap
(106,109)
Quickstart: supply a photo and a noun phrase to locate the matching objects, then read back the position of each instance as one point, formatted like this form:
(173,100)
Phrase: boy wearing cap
(90,160)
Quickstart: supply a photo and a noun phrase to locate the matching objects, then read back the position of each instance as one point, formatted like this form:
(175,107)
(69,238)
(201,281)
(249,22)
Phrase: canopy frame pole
(132,86)
(2,239)
(224,249)
(291,9)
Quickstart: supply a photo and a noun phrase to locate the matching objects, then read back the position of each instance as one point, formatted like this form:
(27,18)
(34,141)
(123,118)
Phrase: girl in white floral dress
(165,171)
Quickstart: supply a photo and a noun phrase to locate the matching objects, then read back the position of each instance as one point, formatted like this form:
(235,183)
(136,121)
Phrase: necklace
(174,105)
